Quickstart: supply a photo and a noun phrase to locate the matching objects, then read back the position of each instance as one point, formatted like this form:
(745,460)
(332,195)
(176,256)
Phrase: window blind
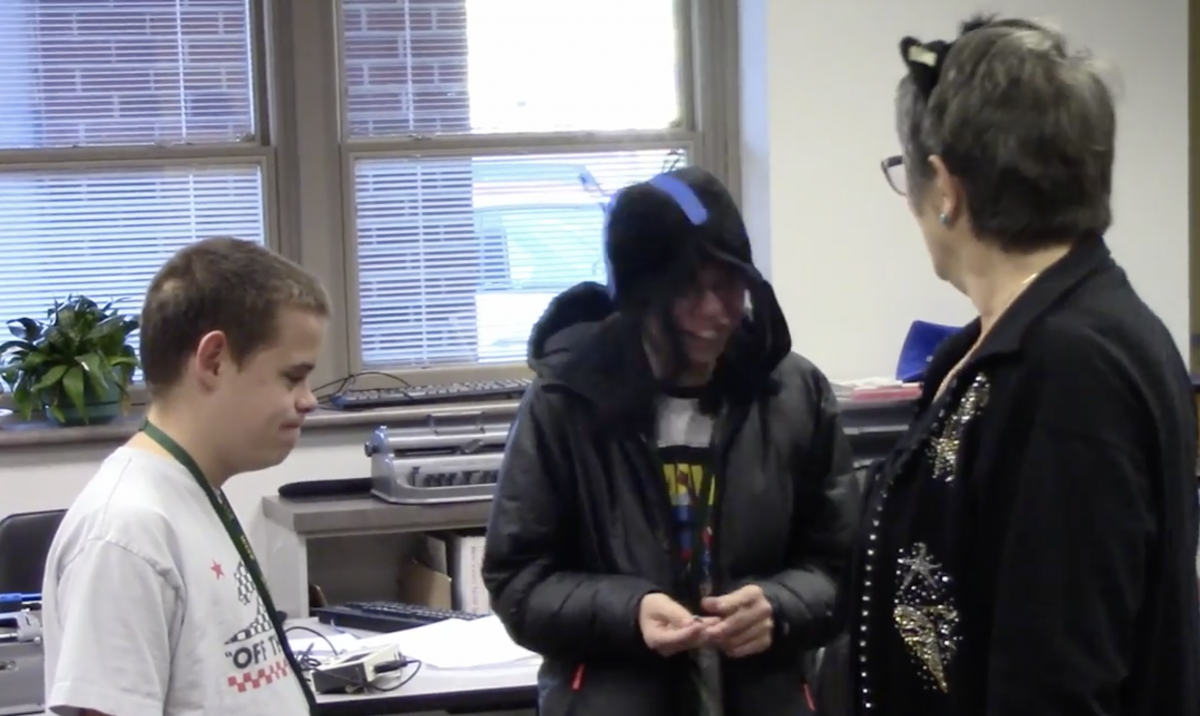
(458,257)
(460,249)
(104,233)
(140,78)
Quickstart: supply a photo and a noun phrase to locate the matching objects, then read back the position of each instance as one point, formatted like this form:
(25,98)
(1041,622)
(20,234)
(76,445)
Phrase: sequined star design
(924,615)
(944,447)
(943,452)
(918,565)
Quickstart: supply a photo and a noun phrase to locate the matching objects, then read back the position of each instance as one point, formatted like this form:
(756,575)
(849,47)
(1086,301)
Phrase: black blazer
(1073,513)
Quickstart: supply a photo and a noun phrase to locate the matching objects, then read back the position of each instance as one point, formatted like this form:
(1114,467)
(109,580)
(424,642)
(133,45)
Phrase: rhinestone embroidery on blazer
(924,614)
(944,446)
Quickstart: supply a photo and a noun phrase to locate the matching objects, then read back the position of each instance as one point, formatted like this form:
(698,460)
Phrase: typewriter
(455,457)
(452,458)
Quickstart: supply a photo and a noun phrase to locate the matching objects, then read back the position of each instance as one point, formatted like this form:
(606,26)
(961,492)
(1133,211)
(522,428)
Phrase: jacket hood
(570,319)
(585,345)
(658,233)
(590,338)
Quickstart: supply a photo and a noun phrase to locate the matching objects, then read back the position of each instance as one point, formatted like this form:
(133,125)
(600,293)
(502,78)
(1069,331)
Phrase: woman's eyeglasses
(893,171)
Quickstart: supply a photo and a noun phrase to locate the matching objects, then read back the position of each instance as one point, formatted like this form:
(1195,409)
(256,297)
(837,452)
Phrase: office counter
(365,515)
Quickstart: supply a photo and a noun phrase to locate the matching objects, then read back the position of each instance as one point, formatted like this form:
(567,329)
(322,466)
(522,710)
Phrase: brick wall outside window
(165,72)
(406,73)
(406,66)
(102,73)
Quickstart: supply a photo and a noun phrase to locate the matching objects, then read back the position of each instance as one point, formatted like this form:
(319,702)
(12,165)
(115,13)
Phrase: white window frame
(262,152)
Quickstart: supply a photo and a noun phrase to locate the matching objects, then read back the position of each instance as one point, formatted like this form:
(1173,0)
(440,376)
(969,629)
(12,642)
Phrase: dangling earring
(944,219)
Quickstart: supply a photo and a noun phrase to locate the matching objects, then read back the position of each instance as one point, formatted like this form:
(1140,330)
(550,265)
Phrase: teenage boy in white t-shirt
(151,606)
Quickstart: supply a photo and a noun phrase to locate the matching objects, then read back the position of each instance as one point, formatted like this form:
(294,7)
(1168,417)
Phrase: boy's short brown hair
(220,284)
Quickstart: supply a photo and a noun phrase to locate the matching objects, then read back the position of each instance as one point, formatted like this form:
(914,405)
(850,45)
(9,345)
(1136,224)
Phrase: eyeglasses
(893,171)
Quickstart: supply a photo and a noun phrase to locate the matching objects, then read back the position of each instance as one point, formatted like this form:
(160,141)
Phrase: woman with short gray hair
(1028,549)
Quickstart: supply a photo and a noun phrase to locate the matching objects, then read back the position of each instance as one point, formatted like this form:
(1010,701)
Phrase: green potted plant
(75,366)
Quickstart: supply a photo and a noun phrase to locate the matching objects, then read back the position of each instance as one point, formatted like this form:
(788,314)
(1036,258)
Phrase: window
(441,165)
(128,130)
(482,139)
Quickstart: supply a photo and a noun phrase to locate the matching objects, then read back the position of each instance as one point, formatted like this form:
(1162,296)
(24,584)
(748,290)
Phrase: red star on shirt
(217,569)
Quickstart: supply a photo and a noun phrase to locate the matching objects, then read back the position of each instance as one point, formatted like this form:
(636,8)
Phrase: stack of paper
(455,644)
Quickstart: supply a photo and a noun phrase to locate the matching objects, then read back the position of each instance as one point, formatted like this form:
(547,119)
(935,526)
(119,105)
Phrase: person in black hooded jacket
(675,381)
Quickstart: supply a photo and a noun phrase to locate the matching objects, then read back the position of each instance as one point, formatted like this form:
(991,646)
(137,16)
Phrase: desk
(508,688)
(511,692)
(498,689)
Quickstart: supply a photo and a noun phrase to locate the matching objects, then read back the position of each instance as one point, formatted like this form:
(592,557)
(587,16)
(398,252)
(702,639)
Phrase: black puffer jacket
(579,530)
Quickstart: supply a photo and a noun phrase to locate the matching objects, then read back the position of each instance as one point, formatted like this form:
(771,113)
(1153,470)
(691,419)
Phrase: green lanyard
(238,536)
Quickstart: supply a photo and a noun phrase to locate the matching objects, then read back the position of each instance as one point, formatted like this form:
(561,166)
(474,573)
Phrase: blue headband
(683,196)
(680,193)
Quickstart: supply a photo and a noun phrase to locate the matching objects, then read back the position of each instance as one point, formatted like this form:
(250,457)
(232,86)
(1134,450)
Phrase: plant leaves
(78,353)
(106,327)
(98,372)
(23,400)
(14,345)
(65,318)
(31,362)
(51,378)
(26,329)
(72,383)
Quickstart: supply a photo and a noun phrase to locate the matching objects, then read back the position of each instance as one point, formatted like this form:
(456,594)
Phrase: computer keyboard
(385,617)
(399,397)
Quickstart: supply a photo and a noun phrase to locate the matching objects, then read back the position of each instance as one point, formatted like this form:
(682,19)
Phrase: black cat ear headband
(924,61)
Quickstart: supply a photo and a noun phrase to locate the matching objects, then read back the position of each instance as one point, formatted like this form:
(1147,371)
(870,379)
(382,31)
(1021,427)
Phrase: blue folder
(919,346)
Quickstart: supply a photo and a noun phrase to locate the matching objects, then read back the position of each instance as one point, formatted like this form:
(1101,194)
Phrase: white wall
(843,252)
(45,479)
(845,255)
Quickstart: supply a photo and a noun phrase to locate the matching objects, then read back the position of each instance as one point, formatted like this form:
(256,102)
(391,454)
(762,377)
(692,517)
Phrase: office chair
(24,545)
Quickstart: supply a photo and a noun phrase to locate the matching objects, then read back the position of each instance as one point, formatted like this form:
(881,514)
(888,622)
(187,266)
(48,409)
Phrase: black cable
(307,661)
(347,383)
(339,383)
(393,668)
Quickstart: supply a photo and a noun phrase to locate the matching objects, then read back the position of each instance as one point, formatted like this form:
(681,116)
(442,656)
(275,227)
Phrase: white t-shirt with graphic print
(149,611)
